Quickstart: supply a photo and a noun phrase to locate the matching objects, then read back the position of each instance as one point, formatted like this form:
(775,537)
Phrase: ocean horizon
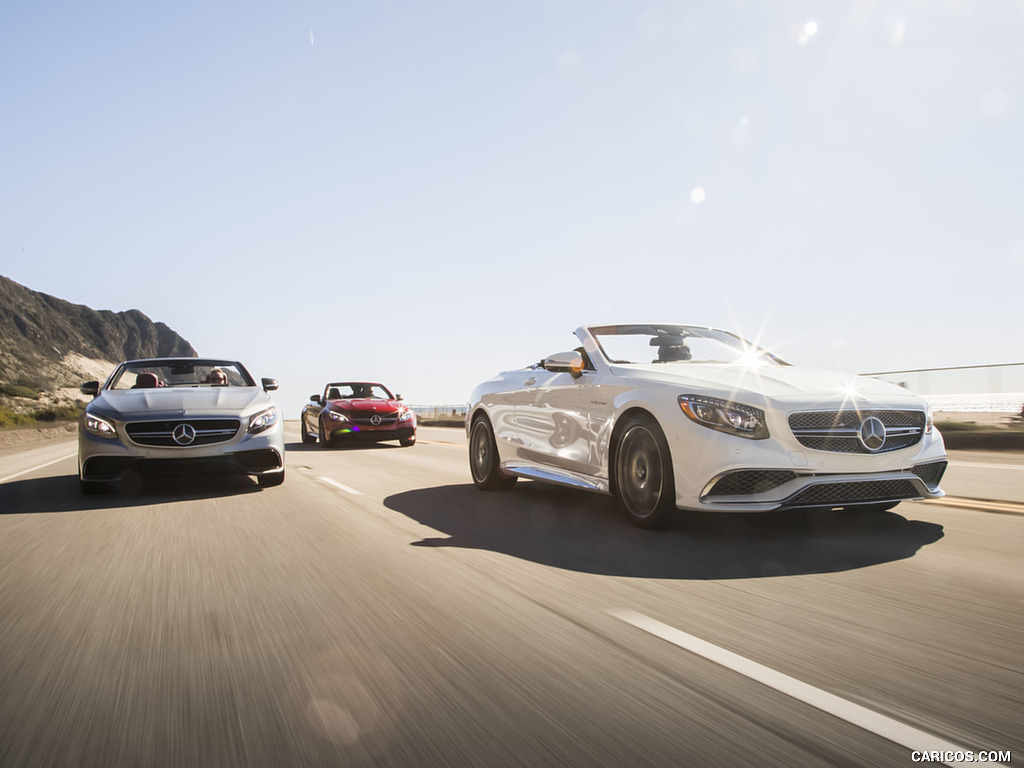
(979,402)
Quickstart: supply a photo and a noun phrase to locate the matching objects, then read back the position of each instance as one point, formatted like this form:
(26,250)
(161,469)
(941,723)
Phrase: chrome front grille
(160,434)
(365,419)
(838,431)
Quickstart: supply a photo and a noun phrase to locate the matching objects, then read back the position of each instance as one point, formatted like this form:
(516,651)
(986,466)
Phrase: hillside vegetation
(49,346)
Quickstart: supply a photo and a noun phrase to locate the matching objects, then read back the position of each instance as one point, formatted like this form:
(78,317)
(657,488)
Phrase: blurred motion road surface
(376,609)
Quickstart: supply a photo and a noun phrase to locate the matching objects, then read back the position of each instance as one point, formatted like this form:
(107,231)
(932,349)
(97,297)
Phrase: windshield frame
(238,376)
(727,338)
(353,384)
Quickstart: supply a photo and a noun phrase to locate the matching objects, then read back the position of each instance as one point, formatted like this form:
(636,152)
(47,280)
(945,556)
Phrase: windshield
(357,390)
(155,374)
(671,344)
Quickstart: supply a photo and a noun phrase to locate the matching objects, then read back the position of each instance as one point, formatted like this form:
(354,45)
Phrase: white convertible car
(667,416)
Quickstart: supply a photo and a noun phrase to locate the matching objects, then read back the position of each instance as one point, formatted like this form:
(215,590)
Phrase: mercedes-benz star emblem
(375,419)
(184,434)
(872,433)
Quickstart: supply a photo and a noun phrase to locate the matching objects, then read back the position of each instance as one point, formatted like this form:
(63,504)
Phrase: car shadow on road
(585,532)
(61,493)
(365,445)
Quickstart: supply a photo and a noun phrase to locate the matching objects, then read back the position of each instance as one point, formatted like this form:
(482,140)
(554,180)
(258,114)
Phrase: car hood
(366,405)
(776,382)
(179,401)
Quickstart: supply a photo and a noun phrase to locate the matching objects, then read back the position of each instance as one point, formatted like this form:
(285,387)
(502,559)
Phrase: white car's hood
(776,382)
(178,401)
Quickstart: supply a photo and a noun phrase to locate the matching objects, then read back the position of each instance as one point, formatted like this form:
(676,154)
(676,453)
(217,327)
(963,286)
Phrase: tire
(306,437)
(643,474)
(405,442)
(269,481)
(322,438)
(483,458)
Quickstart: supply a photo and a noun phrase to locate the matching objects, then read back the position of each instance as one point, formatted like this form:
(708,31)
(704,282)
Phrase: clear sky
(427,193)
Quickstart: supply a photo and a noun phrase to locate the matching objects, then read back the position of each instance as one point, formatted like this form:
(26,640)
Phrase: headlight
(94,425)
(929,419)
(725,416)
(406,415)
(262,421)
(336,416)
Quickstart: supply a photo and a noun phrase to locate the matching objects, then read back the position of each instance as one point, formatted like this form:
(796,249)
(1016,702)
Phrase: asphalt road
(377,610)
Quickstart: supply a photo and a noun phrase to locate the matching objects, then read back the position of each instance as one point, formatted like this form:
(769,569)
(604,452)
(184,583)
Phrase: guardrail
(441,412)
(995,388)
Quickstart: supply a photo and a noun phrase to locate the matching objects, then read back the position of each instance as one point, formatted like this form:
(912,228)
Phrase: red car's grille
(372,419)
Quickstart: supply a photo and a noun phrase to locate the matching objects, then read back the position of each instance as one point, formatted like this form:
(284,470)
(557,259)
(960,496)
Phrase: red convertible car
(357,410)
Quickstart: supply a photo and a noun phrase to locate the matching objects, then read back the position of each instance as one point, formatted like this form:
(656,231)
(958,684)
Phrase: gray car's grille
(837,494)
(838,431)
(161,433)
(747,481)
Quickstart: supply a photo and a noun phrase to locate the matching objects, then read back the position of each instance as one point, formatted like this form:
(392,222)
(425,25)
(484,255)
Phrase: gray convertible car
(179,416)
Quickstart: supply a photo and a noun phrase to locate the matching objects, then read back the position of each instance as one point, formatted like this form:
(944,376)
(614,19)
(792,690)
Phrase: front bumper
(724,473)
(106,460)
(765,490)
(371,433)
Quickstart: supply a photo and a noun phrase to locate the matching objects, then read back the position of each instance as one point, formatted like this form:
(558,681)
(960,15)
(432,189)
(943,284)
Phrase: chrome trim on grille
(385,419)
(160,434)
(839,431)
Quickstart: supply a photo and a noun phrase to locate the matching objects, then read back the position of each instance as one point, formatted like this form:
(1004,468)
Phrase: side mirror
(564,362)
(314,398)
(398,397)
(269,385)
(90,388)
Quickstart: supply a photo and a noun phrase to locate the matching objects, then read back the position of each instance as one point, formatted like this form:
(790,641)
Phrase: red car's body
(357,410)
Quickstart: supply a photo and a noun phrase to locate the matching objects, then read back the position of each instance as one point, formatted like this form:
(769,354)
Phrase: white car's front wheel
(483,458)
(643,474)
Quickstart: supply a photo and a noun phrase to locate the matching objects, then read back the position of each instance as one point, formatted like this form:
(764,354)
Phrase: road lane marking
(959,464)
(336,484)
(33,469)
(880,725)
(982,505)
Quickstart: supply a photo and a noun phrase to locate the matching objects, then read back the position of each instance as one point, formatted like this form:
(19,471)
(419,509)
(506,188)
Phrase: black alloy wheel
(304,431)
(643,474)
(322,435)
(483,458)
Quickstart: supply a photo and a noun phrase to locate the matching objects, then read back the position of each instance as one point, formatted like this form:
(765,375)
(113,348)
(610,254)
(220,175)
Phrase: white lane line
(336,484)
(961,464)
(883,726)
(33,469)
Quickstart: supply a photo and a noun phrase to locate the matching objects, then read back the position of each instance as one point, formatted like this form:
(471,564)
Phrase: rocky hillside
(47,344)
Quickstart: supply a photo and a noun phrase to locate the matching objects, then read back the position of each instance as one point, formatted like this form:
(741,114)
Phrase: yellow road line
(999,507)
